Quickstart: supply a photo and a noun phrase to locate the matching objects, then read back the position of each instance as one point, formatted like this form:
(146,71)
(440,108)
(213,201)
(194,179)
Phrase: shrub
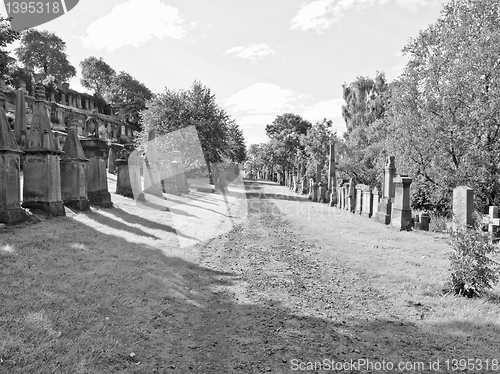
(472,269)
(438,222)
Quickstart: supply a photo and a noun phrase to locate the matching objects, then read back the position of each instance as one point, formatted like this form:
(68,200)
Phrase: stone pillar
(322,193)
(11,212)
(351,196)
(401,211)
(123,180)
(332,180)
(111,160)
(463,207)
(20,122)
(340,189)
(97,179)
(359,198)
(375,201)
(385,205)
(345,192)
(42,171)
(74,171)
(366,209)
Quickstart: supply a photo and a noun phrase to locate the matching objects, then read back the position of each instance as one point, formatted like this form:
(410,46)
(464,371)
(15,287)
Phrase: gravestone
(463,207)
(385,205)
(42,169)
(425,220)
(351,196)
(74,171)
(375,201)
(20,122)
(96,151)
(322,193)
(11,212)
(359,198)
(401,211)
(366,209)
(123,178)
(332,180)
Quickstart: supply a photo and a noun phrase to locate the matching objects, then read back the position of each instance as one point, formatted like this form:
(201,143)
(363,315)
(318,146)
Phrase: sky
(261,58)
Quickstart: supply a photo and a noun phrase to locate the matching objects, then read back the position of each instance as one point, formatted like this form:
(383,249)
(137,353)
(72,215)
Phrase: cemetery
(140,233)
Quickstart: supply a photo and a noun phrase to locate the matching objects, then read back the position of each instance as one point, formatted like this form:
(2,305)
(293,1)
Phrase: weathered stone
(425,220)
(332,185)
(42,173)
(385,205)
(463,207)
(96,151)
(359,198)
(74,172)
(401,211)
(321,193)
(20,122)
(351,196)
(375,201)
(366,209)
(123,180)
(10,191)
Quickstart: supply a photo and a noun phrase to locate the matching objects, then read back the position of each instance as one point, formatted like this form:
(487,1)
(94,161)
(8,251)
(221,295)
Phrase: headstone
(322,193)
(401,210)
(20,122)
(310,193)
(385,205)
(463,207)
(42,171)
(11,212)
(367,206)
(96,151)
(375,201)
(351,196)
(425,220)
(332,180)
(123,178)
(74,171)
(359,198)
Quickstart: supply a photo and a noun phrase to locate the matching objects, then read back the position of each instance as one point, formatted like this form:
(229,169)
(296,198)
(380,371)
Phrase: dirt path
(283,303)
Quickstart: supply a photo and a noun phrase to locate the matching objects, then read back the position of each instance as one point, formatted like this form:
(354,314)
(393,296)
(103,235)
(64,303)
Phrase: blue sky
(260,58)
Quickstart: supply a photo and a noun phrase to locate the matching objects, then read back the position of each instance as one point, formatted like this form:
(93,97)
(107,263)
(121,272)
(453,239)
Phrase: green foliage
(286,130)
(97,75)
(472,269)
(127,97)
(316,143)
(7,36)
(43,51)
(444,110)
(220,138)
(362,156)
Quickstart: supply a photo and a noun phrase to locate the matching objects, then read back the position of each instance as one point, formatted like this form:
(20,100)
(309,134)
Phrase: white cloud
(320,15)
(324,109)
(252,52)
(134,23)
(261,98)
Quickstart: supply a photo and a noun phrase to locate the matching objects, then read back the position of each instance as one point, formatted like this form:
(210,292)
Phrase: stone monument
(385,205)
(42,170)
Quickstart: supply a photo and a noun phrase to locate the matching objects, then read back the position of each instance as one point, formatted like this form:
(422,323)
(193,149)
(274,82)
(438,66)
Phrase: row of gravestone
(390,206)
(74,177)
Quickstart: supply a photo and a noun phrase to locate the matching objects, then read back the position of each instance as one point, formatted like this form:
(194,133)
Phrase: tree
(196,108)
(444,111)
(366,101)
(287,129)
(97,75)
(236,143)
(316,144)
(7,36)
(127,97)
(43,51)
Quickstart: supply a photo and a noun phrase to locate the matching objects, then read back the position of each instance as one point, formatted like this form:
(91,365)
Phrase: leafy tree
(444,109)
(195,108)
(45,52)
(127,97)
(7,36)
(316,145)
(287,129)
(366,101)
(97,75)
(236,143)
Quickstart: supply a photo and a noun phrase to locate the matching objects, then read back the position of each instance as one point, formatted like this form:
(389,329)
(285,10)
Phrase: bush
(472,269)
(438,222)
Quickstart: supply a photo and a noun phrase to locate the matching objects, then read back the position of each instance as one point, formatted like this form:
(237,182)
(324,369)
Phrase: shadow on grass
(89,302)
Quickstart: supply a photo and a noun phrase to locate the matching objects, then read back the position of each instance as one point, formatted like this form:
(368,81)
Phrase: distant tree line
(440,118)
